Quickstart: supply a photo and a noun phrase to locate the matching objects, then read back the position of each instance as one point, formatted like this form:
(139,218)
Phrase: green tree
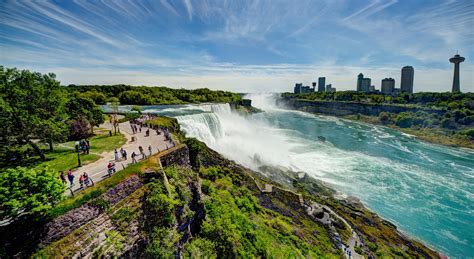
(28,191)
(30,103)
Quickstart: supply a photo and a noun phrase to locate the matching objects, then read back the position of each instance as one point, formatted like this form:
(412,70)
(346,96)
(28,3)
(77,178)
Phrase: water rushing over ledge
(426,190)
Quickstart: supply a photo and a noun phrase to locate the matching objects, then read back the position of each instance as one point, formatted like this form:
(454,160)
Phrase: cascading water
(427,190)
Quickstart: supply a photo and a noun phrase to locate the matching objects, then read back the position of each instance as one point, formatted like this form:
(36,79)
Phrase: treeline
(35,109)
(446,100)
(143,95)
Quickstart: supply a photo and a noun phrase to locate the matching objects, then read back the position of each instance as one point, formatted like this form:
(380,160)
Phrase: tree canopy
(143,95)
(28,191)
(34,108)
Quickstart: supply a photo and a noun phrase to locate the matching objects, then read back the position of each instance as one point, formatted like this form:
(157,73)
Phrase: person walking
(124,154)
(70,177)
(62,177)
(149,149)
(88,146)
(134,160)
(116,155)
(140,148)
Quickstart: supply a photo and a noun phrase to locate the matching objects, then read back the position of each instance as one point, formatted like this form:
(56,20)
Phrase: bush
(469,133)
(384,117)
(28,191)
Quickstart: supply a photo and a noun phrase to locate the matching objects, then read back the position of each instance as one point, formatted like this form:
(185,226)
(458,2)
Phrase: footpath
(97,171)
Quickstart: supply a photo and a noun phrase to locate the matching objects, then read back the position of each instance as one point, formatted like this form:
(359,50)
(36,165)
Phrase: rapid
(427,190)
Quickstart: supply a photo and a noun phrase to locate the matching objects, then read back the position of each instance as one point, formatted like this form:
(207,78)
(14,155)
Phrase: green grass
(64,156)
(169,123)
(103,143)
(64,159)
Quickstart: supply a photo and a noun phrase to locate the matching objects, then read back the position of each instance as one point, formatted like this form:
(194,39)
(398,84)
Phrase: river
(426,190)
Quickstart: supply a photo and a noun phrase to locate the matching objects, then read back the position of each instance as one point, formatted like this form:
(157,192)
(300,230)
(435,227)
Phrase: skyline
(240,46)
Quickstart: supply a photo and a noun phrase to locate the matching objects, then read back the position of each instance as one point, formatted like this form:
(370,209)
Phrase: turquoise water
(426,190)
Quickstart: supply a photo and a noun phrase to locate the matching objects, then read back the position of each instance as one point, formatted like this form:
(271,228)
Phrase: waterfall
(251,141)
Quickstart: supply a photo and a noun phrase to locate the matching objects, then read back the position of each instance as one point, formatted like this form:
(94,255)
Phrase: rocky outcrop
(177,156)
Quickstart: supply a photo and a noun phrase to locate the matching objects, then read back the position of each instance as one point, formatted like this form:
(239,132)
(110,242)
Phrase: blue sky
(245,46)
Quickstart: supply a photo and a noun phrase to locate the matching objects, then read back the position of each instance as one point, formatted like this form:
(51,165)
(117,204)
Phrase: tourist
(140,148)
(81,181)
(116,155)
(124,154)
(70,177)
(76,146)
(86,179)
(111,168)
(134,160)
(62,177)
(157,131)
(88,146)
(147,133)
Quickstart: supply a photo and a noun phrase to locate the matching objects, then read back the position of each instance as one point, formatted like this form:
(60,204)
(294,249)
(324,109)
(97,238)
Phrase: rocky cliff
(348,108)
(203,205)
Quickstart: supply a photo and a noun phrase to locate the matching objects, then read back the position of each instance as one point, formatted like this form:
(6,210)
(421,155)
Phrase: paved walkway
(98,170)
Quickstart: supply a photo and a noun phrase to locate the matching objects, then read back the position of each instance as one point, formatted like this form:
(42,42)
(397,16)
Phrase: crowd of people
(121,155)
(84,179)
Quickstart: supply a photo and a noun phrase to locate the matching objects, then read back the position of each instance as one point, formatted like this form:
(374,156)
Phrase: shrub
(28,191)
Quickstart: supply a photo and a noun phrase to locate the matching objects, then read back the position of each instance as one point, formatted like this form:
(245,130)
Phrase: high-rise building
(456,60)
(363,83)
(406,82)
(330,89)
(388,85)
(321,84)
(298,87)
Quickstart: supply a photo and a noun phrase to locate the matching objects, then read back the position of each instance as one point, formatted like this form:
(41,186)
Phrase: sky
(237,45)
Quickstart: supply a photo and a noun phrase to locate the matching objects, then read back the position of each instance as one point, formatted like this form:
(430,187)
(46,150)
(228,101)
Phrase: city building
(314,85)
(388,85)
(330,89)
(457,59)
(306,89)
(298,87)
(321,84)
(406,82)
(372,88)
(363,83)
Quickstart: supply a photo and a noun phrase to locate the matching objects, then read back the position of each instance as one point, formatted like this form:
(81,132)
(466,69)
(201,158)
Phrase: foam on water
(425,189)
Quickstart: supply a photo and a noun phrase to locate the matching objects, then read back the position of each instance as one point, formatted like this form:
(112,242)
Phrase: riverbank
(436,126)
(432,135)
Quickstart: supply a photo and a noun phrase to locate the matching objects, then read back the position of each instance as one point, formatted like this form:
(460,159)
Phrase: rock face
(349,108)
(179,157)
(72,220)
